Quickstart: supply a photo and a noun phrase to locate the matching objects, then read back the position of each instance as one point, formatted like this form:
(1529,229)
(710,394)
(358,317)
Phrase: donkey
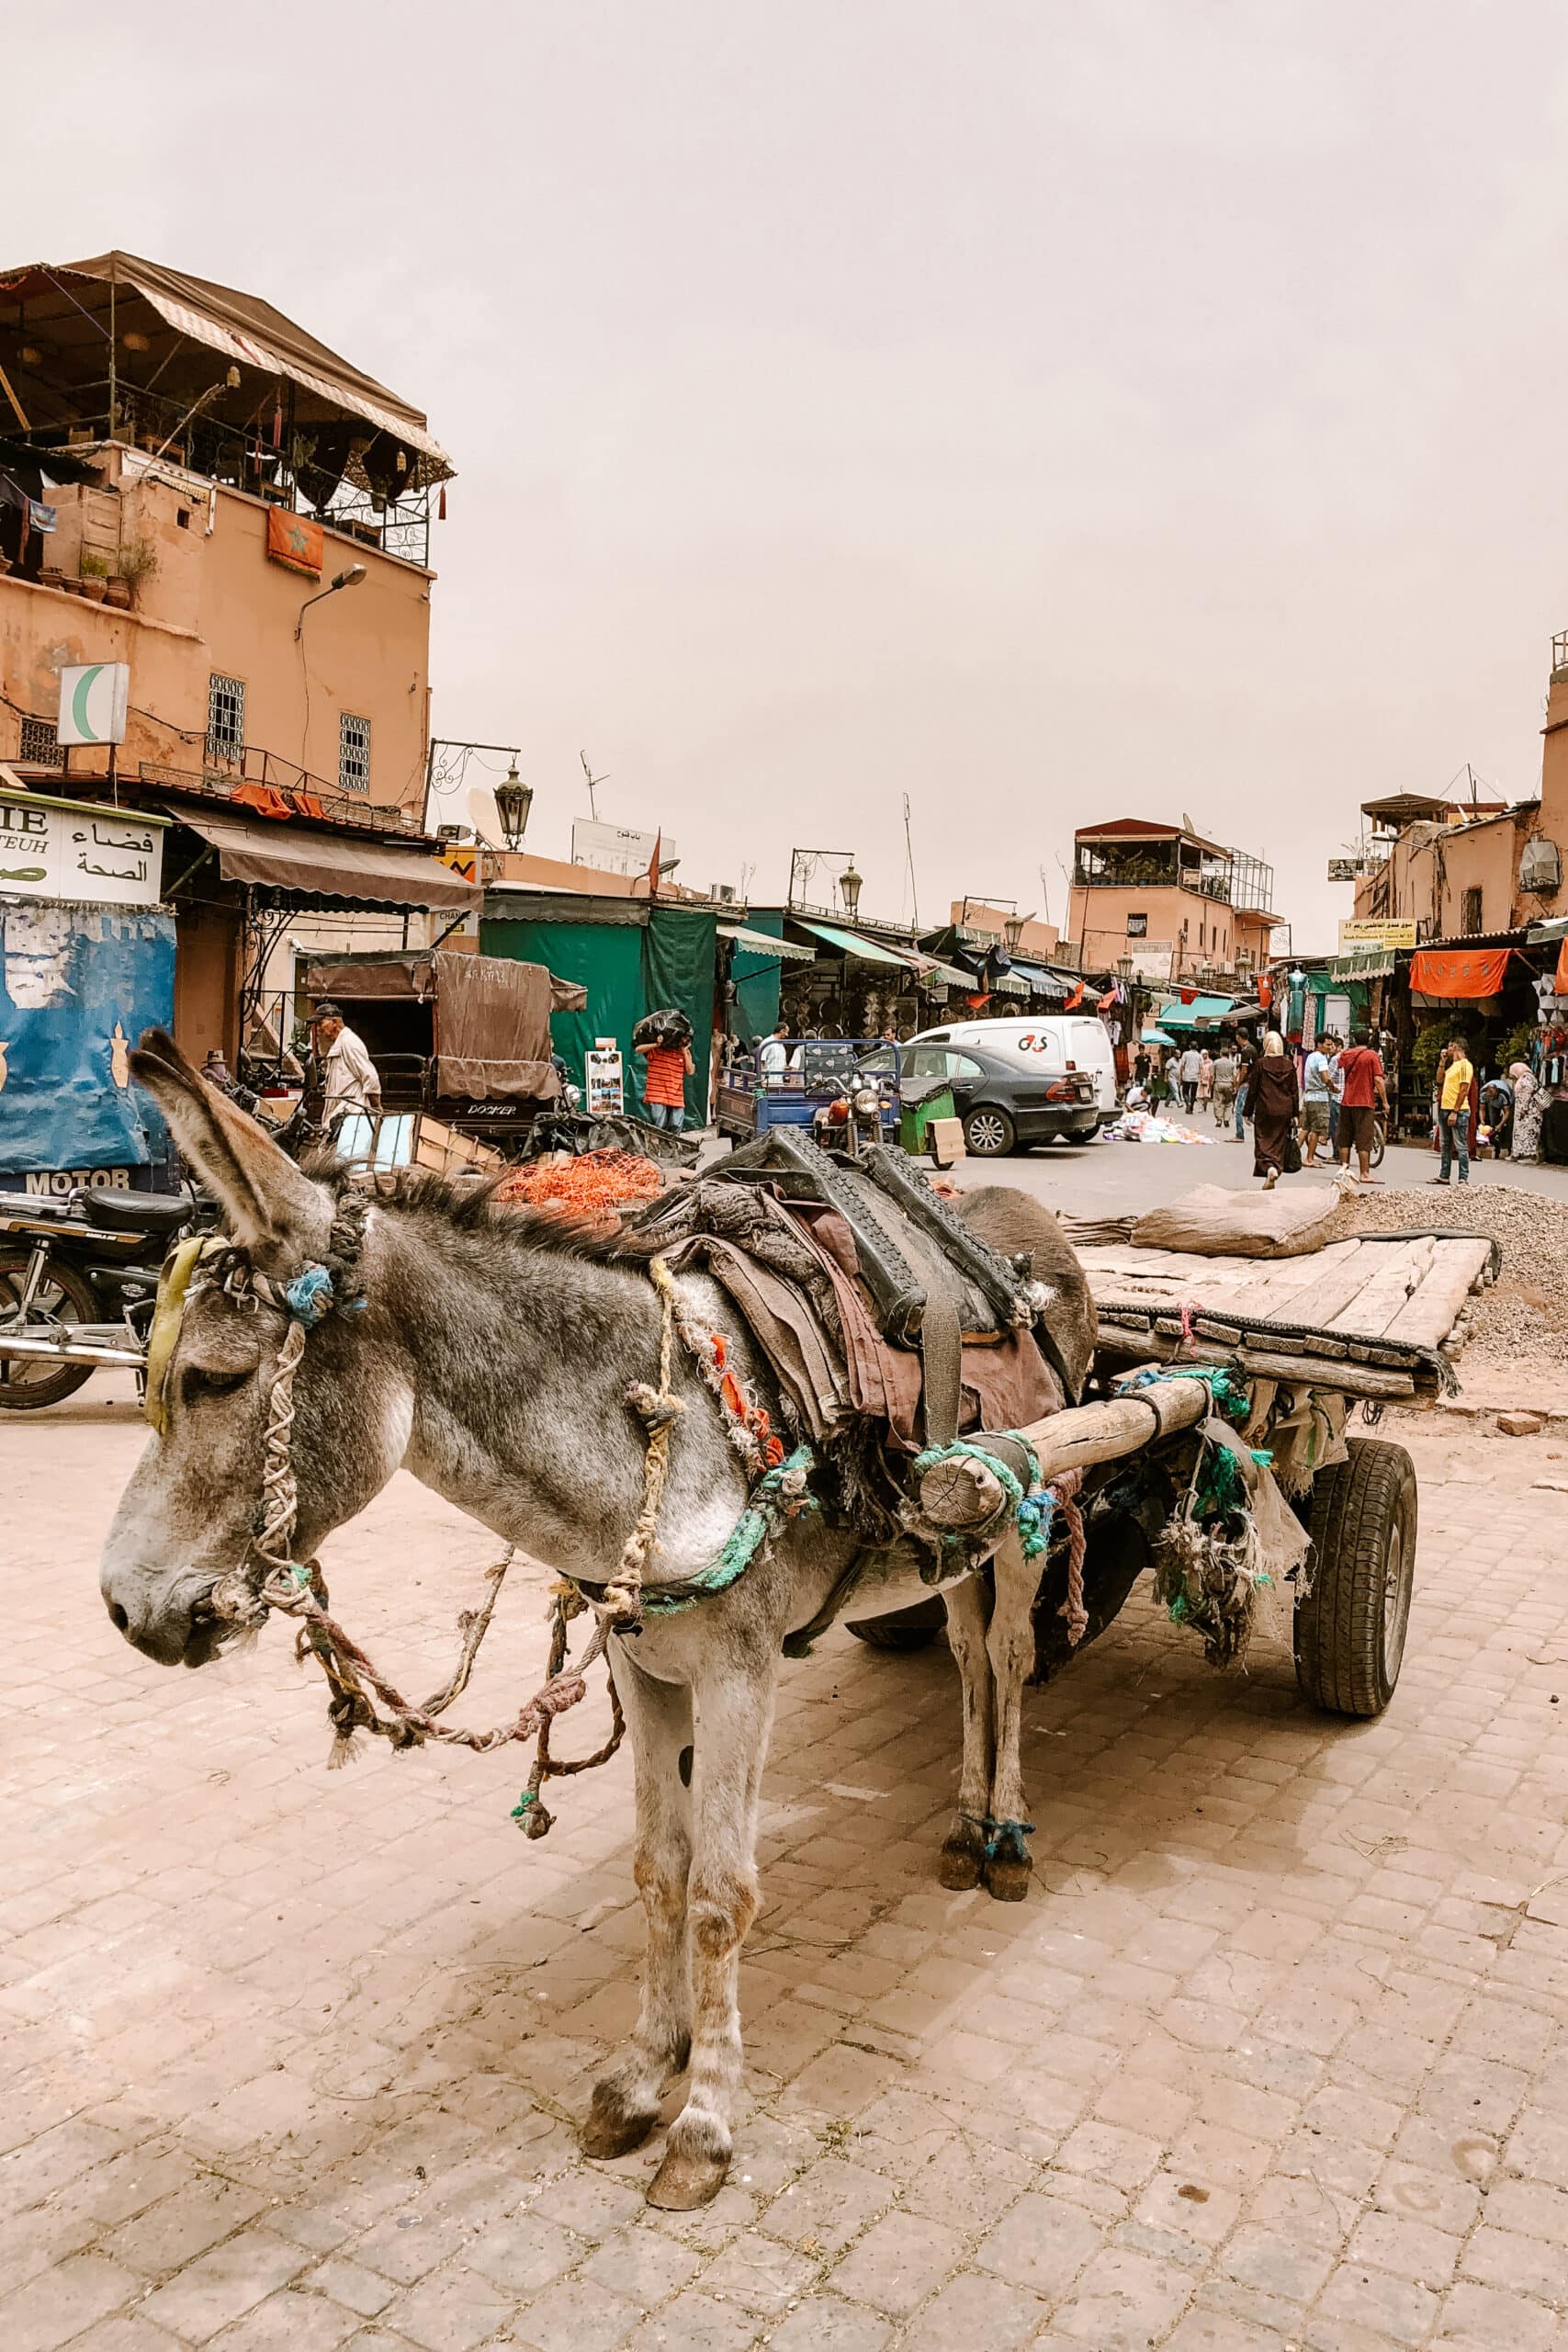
(493,1358)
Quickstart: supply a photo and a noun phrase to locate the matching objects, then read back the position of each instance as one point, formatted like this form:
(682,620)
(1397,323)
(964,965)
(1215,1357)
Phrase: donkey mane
(464,1207)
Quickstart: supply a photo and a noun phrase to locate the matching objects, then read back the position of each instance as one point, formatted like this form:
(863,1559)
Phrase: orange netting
(589,1185)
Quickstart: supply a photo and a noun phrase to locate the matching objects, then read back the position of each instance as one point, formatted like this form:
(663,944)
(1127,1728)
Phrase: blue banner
(77,986)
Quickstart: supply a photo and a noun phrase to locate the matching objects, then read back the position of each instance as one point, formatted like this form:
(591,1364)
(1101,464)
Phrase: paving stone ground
(1275,2054)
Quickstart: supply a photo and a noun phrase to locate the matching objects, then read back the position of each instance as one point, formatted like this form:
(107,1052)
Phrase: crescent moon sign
(84,685)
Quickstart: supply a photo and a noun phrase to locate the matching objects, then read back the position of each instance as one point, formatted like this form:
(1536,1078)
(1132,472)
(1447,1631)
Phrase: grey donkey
(492,1359)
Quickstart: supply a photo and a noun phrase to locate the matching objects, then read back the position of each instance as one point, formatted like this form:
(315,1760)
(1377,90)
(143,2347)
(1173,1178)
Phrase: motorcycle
(78,1286)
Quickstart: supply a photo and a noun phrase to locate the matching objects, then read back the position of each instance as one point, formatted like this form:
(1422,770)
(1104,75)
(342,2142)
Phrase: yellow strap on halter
(168,1317)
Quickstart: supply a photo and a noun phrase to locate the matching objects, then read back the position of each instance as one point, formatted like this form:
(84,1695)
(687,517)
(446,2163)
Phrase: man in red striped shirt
(664,1084)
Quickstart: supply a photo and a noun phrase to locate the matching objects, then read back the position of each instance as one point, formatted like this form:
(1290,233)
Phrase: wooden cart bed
(1377,1317)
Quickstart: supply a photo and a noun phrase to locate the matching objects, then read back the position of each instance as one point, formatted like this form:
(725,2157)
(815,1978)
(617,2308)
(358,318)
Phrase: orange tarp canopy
(1459,971)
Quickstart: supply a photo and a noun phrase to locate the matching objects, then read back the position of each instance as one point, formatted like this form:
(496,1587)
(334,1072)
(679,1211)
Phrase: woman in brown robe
(1273,1098)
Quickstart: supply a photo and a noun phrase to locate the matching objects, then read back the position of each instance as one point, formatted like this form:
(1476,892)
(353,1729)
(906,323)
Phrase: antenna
(909,858)
(1044,895)
(594,782)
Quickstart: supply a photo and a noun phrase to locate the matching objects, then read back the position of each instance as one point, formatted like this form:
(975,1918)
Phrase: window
(1469,913)
(1137,926)
(353,754)
(38,746)
(225,718)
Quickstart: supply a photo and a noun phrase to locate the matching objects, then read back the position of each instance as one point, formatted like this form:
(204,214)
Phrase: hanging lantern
(513,799)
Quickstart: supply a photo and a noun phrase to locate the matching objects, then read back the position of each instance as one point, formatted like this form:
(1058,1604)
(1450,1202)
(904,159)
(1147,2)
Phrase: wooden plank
(1398,1271)
(1346,1378)
(1316,1302)
(1282,1283)
(1427,1319)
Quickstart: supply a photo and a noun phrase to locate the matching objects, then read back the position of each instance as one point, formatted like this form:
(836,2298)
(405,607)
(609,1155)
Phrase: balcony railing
(223,777)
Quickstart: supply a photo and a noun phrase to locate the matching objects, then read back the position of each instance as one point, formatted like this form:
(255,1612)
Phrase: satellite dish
(480,806)
(1186,824)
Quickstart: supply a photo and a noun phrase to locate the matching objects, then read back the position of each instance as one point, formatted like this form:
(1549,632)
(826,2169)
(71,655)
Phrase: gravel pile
(1526,1313)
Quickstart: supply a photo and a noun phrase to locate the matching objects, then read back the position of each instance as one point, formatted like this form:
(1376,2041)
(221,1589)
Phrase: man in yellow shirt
(1454,1080)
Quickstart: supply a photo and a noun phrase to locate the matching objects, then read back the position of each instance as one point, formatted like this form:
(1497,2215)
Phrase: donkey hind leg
(658,1717)
(735,1710)
(964,1850)
(1009,1643)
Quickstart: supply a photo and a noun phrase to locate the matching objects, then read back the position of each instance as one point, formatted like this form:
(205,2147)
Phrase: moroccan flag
(1075,999)
(653,864)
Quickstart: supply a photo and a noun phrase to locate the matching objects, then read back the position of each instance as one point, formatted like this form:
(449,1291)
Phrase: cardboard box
(945,1139)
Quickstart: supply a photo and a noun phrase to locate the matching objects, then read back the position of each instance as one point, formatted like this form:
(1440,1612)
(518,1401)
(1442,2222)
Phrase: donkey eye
(199,1382)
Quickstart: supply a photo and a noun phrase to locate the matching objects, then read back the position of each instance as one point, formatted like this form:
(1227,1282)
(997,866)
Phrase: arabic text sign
(77,851)
(1376,934)
(94,696)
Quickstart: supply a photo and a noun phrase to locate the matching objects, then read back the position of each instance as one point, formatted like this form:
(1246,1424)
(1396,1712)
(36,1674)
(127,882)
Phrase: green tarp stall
(629,957)
(678,952)
(757,972)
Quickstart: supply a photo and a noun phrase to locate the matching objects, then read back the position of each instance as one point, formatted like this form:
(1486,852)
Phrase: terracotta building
(193,486)
(1177,905)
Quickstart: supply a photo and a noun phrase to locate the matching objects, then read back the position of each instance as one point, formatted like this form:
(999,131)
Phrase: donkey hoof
(963,1855)
(959,1865)
(1006,1879)
(684,2181)
(611,2127)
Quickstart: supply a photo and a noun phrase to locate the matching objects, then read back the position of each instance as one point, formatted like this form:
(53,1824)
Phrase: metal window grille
(38,746)
(353,753)
(225,718)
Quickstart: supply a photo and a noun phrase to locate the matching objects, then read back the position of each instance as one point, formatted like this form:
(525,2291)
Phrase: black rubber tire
(31,1394)
(1350,1630)
(902,1629)
(998,1136)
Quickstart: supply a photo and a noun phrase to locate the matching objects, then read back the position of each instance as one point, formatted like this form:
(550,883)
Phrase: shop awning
(1043,983)
(763,942)
(1458,973)
(952,976)
(1203,1013)
(851,944)
(324,866)
(1372,964)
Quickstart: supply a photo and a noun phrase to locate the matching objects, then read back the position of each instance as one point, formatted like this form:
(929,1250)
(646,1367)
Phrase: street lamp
(1125,968)
(349,579)
(513,799)
(850,886)
(1012,927)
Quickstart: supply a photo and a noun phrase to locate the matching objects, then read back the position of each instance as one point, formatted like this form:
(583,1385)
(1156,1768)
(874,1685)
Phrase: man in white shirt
(350,1079)
(774,1056)
(1189,1069)
(1317,1098)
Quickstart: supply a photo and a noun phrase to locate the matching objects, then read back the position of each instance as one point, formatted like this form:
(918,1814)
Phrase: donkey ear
(268,1201)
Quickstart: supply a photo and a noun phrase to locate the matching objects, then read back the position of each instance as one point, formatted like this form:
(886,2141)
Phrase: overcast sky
(1053,412)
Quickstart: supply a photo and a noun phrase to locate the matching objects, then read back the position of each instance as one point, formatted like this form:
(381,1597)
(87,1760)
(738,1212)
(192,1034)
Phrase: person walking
(1273,1097)
(1245,1057)
(1363,1090)
(350,1080)
(664,1084)
(1317,1100)
(1206,1079)
(1455,1075)
(1225,1076)
(1188,1071)
(1529,1104)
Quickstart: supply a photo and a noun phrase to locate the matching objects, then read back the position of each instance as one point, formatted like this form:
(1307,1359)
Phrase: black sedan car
(1003,1107)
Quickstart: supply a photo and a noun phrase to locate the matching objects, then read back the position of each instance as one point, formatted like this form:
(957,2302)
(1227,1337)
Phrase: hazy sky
(1053,413)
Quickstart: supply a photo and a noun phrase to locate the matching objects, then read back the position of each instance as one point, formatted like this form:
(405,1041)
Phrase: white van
(1054,1041)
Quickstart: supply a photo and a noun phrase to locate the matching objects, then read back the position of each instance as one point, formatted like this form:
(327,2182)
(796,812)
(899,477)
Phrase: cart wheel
(27,1384)
(988,1132)
(1349,1631)
(902,1629)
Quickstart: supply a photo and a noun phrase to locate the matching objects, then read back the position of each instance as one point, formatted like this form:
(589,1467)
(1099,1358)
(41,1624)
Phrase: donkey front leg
(735,1693)
(964,1850)
(659,1718)
(1009,1643)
